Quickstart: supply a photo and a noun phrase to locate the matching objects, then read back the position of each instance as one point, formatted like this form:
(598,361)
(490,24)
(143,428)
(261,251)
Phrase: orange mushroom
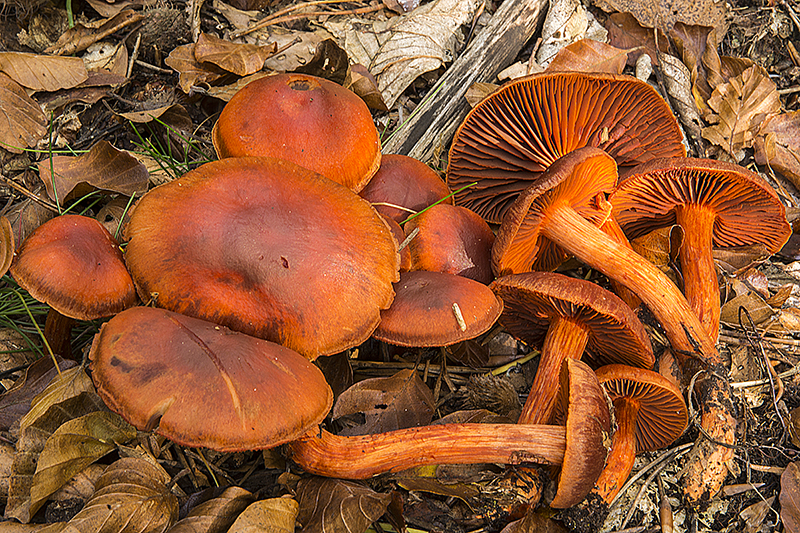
(514,134)
(313,122)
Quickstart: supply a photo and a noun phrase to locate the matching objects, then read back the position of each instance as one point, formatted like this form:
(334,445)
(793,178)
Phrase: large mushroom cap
(532,301)
(267,248)
(73,264)
(515,133)
(313,122)
(200,384)
(423,312)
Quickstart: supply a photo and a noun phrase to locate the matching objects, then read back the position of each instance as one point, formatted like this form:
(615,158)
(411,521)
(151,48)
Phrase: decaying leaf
(756,307)
(660,247)
(588,55)
(330,61)
(76,444)
(363,83)
(226,92)
(103,167)
(240,59)
(419,42)
(566,22)
(6,245)
(22,122)
(740,107)
(79,37)
(217,514)
(677,80)
(275,515)
(335,505)
(790,498)
(665,14)
(43,73)
(192,73)
(625,32)
(395,402)
(131,495)
(778,145)
(16,401)
(754,515)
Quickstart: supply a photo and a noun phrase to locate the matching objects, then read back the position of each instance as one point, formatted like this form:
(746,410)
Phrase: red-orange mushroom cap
(313,122)
(406,183)
(514,134)
(73,264)
(437,309)
(267,248)
(201,384)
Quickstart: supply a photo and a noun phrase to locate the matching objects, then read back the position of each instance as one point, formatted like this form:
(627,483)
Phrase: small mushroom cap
(422,313)
(73,264)
(514,134)
(313,122)
(575,179)
(662,415)
(532,299)
(588,424)
(267,248)
(747,209)
(200,384)
(452,239)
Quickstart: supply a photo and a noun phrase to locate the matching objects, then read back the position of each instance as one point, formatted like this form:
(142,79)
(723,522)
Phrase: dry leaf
(43,73)
(754,515)
(734,258)
(76,444)
(396,402)
(363,83)
(790,498)
(677,80)
(226,92)
(67,385)
(478,91)
(191,72)
(22,122)
(103,167)
(626,33)
(778,145)
(419,42)
(334,505)
(741,105)
(661,246)
(588,55)
(566,22)
(105,57)
(79,37)
(275,515)
(217,514)
(755,306)
(131,495)
(6,245)
(330,61)
(16,401)
(240,59)
(665,14)
(697,46)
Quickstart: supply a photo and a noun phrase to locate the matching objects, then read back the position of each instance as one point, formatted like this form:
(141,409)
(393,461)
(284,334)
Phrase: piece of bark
(492,50)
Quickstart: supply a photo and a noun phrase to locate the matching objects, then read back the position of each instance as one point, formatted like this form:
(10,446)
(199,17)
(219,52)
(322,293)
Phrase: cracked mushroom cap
(424,312)
(73,264)
(514,134)
(267,248)
(200,384)
(532,300)
(745,208)
(578,179)
(310,121)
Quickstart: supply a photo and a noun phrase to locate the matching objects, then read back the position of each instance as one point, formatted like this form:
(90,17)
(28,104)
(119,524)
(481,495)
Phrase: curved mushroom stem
(611,228)
(360,457)
(565,338)
(697,264)
(623,451)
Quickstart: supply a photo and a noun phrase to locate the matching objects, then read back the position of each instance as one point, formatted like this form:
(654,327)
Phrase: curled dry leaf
(22,123)
(43,73)
(6,245)
(217,514)
(275,515)
(567,22)
(790,497)
(238,58)
(625,32)
(741,105)
(76,444)
(588,55)
(396,402)
(334,505)
(16,401)
(666,13)
(419,42)
(131,495)
(103,167)
(677,80)
(192,73)
(363,83)
(330,61)
(226,92)
(778,145)
(79,37)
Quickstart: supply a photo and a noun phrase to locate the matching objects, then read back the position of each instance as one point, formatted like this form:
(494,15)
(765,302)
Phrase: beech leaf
(778,145)
(217,514)
(666,13)
(79,37)
(588,55)
(16,401)
(43,73)
(335,505)
(395,402)
(238,58)
(22,122)
(275,515)
(740,107)
(192,73)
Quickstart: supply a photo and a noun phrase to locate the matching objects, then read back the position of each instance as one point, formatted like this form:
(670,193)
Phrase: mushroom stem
(611,228)
(697,264)
(622,455)
(360,457)
(565,338)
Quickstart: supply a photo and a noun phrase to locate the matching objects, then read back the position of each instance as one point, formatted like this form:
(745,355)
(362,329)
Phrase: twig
(19,188)
(664,458)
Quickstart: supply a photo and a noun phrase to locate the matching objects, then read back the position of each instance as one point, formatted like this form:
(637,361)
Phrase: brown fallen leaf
(16,401)
(226,92)
(6,245)
(396,402)
(43,73)
(758,310)
(665,14)
(217,514)
(677,80)
(79,37)
(103,167)
(274,515)
(335,505)
(240,59)
(192,73)
(790,497)
(778,145)
(625,32)
(22,122)
(330,61)
(741,105)
(588,55)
